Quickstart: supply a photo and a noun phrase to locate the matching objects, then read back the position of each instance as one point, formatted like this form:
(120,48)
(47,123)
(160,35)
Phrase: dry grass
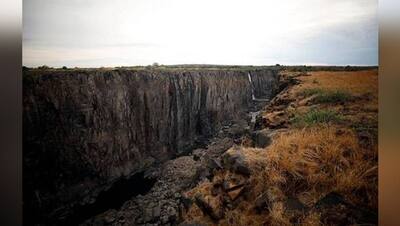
(356,83)
(309,162)
(324,96)
(317,161)
(362,84)
(304,163)
(353,95)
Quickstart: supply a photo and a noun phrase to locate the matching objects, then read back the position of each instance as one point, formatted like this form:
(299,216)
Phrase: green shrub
(311,92)
(317,116)
(327,96)
(333,97)
(44,67)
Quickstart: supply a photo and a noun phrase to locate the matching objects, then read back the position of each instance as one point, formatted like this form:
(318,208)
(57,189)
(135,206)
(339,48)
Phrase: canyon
(89,132)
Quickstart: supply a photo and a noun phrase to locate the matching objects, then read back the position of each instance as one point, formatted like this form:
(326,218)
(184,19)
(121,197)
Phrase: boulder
(214,163)
(203,173)
(198,153)
(219,146)
(277,119)
(233,184)
(183,171)
(234,160)
(234,187)
(237,129)
(186,201)
(331,199)
(293,204)
(336,210)
(261,138)
(235,193)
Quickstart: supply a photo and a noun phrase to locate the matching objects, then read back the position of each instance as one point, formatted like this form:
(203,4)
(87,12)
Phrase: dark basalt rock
(85,129)
(294,204)
(331,199)
(186,202)
(337,211)
(261,138)
(235,161)
(191,224)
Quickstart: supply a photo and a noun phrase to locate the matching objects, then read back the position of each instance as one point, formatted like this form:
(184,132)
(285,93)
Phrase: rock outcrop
(85,129)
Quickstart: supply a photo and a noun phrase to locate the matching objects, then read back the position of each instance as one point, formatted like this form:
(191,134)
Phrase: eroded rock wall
(87,128)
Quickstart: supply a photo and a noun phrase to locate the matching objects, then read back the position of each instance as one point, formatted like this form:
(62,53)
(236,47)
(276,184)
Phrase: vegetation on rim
(328,146)
(315,116)
(327,96)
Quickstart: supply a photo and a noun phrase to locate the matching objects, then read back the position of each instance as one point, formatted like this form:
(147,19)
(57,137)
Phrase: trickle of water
(253,97)
(252,87)
(253,116)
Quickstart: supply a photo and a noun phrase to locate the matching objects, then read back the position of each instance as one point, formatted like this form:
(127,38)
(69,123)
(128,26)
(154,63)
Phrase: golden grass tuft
(316,161)
(309,162)
(355,82)
(304,163)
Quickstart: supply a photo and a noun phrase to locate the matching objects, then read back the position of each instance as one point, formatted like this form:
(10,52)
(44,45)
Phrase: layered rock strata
(85,129)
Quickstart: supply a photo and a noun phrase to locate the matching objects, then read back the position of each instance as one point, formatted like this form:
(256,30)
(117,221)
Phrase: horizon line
(203,65)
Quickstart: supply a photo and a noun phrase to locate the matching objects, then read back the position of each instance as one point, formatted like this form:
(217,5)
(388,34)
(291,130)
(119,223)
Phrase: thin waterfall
(252,87)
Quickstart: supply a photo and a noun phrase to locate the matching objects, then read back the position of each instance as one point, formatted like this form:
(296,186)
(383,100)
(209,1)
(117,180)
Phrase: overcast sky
(94,33)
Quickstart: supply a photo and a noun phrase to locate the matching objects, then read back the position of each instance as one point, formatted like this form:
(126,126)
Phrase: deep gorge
(84,130)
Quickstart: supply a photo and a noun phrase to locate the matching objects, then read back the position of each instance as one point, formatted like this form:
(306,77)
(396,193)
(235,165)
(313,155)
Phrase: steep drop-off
(85,129)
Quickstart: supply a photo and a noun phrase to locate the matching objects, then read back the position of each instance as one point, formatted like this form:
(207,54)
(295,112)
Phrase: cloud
(187,31)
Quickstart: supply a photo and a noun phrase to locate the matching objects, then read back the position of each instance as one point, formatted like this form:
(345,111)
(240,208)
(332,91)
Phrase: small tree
(64,67)
(155,64)
(44,67)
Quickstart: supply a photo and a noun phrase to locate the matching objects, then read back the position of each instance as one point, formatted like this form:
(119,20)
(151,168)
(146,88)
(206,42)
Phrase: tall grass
(315,116)
(311,92)
(327,96)
(304,163)
(333,97)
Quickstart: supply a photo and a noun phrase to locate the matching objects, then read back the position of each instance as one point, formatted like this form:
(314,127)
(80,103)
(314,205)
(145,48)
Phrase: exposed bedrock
(82,130)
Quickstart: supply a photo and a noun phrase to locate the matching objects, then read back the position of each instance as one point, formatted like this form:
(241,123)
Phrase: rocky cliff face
(85,129)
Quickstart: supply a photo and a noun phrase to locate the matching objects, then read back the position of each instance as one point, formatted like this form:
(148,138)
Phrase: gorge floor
(163,203)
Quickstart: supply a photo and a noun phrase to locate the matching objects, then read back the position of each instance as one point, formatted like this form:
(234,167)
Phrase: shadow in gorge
(113,198)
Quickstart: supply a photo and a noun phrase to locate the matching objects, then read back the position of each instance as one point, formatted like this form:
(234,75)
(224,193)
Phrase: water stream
(253,97)
(252,87)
